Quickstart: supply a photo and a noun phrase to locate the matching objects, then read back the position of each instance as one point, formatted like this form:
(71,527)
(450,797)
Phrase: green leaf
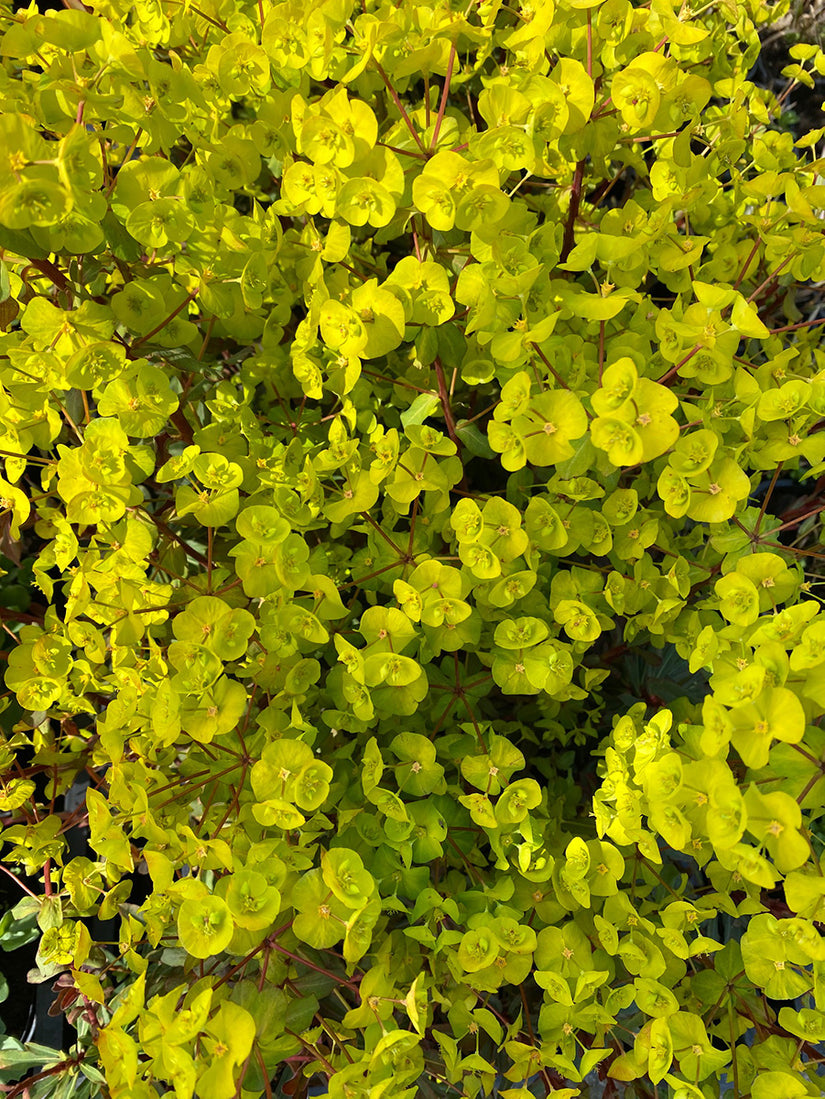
(772,1083)
(422,407)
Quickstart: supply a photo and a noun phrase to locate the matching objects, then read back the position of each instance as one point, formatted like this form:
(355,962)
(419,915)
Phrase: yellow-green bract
(410,425)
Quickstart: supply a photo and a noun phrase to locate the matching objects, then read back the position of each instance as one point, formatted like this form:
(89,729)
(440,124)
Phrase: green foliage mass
(386,390)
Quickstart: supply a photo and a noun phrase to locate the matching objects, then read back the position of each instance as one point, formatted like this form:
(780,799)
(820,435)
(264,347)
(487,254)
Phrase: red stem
(23,1087)
(771,276)
(766,499)
(17,881)
(165,321)
(444,395)
(747,263)
(317,968)
(444,93)
(675,369)
(798,519)
(400,106)
(546,362)
(793,327)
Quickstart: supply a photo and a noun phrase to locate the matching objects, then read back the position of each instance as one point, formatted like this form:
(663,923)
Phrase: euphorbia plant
(393,401)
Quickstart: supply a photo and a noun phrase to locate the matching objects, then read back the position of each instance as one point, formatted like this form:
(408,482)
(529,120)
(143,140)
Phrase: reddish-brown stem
(573,212)
(51,272)
(445,91)
(413,518)
(552,369)
(207,337)
(23,1087)
(656,137)
(793,327)
(448,709)
(473,871)
(747,264)
(475,724)
(484,412)
(164,528)
(708,1015)
(371,575)
(154,331)
(402,152)
(318,969)
(210,535)
(352,271)
(241,729)
(177,782)
(771,276)
(792,549)
(784,95)
(244,961)
(394,381)
(799,519)
(400,107)
(816,762)
(28,457)
(770,300)
(264,966)
(766,500)
(197,11)
(19,616)
(380,531)
(416,245)
(210,799)
(213,776)
(446,407)
(814,779)
(17,881)
(128,156)
(242,1074)
(296,423)
(675,369)
(601,109)
(264,1072)
(236,797)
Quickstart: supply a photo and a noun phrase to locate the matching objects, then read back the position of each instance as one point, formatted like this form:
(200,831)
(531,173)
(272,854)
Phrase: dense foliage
(396,400)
